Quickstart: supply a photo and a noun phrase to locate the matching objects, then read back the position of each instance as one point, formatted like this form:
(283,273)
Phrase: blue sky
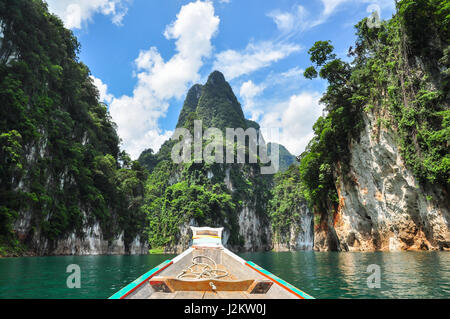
(145,54)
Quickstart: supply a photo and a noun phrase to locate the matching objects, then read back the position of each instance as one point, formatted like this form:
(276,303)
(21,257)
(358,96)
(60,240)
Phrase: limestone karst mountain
(65,186)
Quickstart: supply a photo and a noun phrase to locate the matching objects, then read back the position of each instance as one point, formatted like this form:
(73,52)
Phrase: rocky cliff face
(300,235)
(254,230)
(292,220)
(91,241)
(253,225)
(386,184)
(381,204)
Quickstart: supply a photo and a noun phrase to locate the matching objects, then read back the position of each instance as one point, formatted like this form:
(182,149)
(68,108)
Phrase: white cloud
(298,19)
(283,20)
(293,72)
(295,119)
(287,79)
(330,6)
(75,13)
(193,30)
(248,92)
(294,116)
(294,20)
(255,56)
(137,121)
(158,81)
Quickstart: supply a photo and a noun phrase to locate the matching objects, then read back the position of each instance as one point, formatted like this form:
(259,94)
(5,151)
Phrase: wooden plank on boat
(162,295)
(189,295)
(173,284)
(211,295)
(256,296)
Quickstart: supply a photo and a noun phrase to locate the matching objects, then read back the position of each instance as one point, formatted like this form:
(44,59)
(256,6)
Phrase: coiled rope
(207,271)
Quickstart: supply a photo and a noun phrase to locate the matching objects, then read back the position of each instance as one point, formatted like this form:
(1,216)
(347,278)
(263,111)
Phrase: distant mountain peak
(216,78)
(286,158)
(214,103)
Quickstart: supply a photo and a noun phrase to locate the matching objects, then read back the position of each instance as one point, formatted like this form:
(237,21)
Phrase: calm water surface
(323,275)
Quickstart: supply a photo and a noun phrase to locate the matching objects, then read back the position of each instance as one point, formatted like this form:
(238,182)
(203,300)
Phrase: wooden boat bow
(209,270)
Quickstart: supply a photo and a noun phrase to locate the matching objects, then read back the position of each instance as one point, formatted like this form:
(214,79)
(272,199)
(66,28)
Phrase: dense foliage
(332,131)
(218,106)
(179,194)
(194,196)
(60,161)
(287,203)
(419,96)
(148,159)
(400,72)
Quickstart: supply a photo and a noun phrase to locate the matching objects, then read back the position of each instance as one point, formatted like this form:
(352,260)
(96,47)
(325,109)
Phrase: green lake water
(322,275)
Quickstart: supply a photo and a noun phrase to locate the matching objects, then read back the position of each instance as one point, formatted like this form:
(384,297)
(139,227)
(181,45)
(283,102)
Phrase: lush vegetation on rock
(330,144)
(148,159)
(60,161)
(287,203)
(218,106)
(400,72)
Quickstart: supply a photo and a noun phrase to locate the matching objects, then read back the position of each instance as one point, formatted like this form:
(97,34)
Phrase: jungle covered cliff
(376,173)
(65,186)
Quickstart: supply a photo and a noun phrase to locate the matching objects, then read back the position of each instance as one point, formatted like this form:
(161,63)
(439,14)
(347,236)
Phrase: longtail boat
(207,270)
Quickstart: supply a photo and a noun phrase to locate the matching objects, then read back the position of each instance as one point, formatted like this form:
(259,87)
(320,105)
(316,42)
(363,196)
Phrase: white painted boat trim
(233,255)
